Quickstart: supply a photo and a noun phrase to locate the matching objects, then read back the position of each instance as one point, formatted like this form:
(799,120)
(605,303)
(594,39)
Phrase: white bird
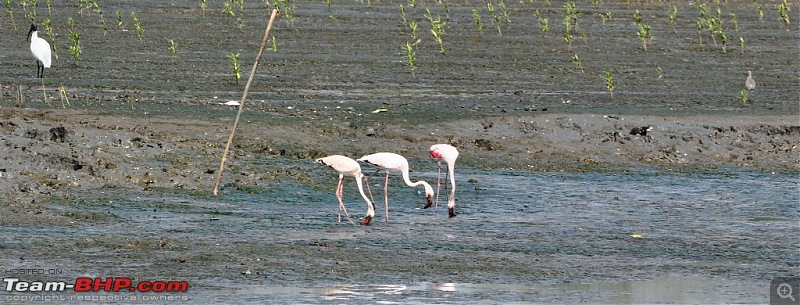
(448,154)
(349,167)
(749,83)
(40,49)
(391,162)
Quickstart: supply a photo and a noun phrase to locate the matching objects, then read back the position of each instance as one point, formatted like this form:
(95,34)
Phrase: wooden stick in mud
(244,96)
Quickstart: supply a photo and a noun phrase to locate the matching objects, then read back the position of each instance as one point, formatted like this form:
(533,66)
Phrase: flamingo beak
(429,203)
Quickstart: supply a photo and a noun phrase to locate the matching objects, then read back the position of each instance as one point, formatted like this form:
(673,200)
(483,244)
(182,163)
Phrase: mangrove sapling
(585,40)
(578,63)
(545,25)
(203,7)
(477,17)
(287,9)
(49,8)
(741,45)
(173,47)
(273,45)
(496,19)
(48,28)
(437,29)
(119,19)
(413,25)
(237,74)
(99,11)
(760,14)
(403,14)
(637,17)
(724,39)
(644,34)
(660,72)
(571,12)
(75,48)
(138,25)
(610,82)
(735,22)
(504,11)
(10,14)
(603,18)
(227,8)
(239,23)
(409,49)
(743,96)
(783,10)
(567,32)
(673,14)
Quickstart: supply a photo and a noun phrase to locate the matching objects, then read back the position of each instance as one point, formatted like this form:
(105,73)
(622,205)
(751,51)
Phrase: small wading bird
(40,49)
(447,154)
(393,163)
(349,167)
(750,84)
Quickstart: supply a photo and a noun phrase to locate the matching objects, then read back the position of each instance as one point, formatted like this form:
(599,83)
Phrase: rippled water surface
(519,237)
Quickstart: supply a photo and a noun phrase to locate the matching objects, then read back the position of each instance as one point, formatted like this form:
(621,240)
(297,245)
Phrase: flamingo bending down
(448,154)
(391,162)
(40,50)
(349,167)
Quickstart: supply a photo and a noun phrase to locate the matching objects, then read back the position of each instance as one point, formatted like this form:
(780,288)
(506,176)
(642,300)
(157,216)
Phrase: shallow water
(519,237)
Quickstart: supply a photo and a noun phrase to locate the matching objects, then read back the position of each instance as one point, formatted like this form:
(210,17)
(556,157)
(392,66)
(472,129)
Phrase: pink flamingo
(349,167)
(394,163)
(448,154)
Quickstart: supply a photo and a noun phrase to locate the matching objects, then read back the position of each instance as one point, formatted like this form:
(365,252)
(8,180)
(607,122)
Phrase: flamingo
(448,154)
(391,162)
(349,167)
(40,49)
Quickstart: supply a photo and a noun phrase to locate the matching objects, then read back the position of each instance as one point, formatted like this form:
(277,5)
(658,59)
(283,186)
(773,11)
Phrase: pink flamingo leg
(366,181)
(438,184)
(339,195)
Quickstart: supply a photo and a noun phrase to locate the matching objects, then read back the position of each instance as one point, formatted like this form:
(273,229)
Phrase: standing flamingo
(349,167)
(394,163)
(448,154)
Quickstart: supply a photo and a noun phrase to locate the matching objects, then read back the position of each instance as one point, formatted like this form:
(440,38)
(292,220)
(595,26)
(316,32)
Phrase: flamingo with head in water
(391,162)
(348,167)
(447,154)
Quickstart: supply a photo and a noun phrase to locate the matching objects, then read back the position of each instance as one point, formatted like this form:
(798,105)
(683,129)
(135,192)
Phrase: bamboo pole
(244,96)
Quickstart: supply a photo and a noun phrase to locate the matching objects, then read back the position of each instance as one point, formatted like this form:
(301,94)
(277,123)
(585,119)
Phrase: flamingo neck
(370,208)
(407,180)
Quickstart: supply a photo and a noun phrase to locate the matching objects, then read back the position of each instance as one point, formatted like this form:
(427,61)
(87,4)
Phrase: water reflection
(670,289)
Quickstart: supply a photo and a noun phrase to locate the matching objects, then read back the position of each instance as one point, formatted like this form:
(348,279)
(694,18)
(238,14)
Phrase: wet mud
(565,193)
